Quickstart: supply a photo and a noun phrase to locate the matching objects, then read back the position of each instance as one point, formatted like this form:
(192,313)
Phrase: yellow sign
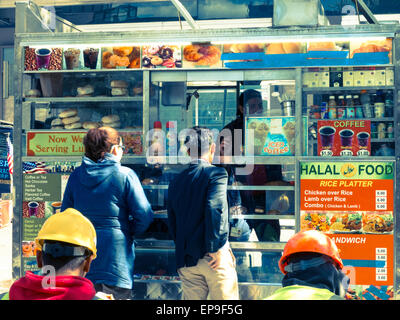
(55,143)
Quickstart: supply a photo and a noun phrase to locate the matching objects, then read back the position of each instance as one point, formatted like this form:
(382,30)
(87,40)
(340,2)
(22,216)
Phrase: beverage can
(332,113)
(381,130)
(341,112)
(379,109)
(359,112)
(324,111)
(374,130)
(351,112)
(369,111)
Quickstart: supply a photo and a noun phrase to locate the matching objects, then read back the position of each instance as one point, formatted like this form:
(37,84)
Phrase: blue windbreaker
(113,199)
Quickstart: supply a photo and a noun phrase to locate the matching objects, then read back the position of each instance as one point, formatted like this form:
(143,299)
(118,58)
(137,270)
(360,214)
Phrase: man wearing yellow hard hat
(66,247)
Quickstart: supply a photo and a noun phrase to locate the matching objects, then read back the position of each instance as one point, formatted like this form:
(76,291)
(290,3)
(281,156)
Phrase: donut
(202,55)
(156,61)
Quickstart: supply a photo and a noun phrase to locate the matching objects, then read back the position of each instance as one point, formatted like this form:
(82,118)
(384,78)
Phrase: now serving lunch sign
(54,143)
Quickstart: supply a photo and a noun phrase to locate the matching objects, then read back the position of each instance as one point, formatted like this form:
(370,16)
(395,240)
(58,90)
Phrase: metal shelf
(250,188)
(248,245)
(83,99)
(244,216)
(383,140)
(341,89)
(388,119)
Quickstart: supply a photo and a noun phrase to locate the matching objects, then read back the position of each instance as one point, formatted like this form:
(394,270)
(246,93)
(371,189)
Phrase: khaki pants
(200,280)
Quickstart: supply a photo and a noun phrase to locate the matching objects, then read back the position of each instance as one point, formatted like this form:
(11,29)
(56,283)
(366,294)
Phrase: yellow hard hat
(69,226)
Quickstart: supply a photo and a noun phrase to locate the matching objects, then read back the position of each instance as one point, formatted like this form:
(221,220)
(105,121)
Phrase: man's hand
(215,261)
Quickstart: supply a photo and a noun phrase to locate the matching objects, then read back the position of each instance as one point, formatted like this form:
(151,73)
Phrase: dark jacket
(113,199)
(198,212)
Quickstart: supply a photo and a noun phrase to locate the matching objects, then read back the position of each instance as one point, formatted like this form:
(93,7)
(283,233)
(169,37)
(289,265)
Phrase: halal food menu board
(353,203)
(43,188)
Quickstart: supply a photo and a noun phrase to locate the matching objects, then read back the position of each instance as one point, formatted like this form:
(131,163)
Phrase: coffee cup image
(43,58)
(289,131)
(346,137)
(363,138)
(327,134)
(56,206)
(261,130)
(33,208)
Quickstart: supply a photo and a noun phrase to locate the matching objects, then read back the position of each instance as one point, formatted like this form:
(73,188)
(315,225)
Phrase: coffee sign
(344,138)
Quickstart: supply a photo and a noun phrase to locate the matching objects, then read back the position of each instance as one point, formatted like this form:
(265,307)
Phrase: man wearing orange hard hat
(312,268)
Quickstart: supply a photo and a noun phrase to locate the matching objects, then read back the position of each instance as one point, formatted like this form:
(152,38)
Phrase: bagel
(110,119)
(90,125)
(56,122)
(57,128)
(119,84)
(86,90)
(275,48)
(119,91)
(321,46)
(68,113)
(114,125)
(76,125)
(70,120)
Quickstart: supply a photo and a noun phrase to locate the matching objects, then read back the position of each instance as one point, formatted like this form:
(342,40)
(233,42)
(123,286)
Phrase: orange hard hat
(310,241)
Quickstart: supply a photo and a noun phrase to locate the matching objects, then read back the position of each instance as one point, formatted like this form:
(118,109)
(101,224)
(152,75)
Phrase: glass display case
(138,98)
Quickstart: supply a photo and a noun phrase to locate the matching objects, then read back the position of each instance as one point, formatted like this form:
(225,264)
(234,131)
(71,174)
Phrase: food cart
(337,169)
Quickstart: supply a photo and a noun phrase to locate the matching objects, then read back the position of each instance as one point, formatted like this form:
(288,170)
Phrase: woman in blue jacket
(113,199)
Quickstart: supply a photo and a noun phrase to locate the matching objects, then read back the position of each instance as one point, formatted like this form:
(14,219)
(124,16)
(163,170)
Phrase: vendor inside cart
(250,103)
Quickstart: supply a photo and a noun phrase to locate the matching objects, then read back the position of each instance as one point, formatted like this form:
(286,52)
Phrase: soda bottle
(332,107)
(351,112)
(341,109)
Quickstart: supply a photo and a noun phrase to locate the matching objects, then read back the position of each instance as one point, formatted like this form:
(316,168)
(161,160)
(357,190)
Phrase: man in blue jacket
(198,223)
(112,198)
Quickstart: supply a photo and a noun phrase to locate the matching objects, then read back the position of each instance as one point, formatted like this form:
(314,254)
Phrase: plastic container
(171,139)
(156,147)
(368,108)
